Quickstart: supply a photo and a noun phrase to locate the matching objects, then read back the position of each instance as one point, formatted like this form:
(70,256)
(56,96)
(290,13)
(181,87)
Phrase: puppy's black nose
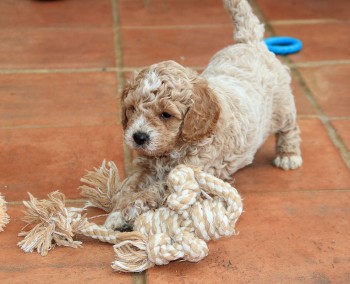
(125,228)
(140,138)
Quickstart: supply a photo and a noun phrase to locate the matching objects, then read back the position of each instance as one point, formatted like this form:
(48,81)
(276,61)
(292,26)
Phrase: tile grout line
(307,116)
(67,201)
(123,69)
(137,278)
(307,21)
(55,126)
(57,70)
(318,63)
(339,117)
(331,131)
(171,27)
(120,77)
(116,70)
(200,26)
(117,52)
(300,116)
(293,191)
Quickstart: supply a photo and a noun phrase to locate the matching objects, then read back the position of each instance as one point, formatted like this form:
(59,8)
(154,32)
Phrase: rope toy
(4,218)
(200,208)
(283,45)
(179,230)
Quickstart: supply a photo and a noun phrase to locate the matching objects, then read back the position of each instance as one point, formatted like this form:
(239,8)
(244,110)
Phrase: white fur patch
(151,83)
(114,221)
(141,124)
(138,125)
(288,162)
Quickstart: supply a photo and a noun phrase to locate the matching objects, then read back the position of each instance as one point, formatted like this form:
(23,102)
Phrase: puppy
(216,120)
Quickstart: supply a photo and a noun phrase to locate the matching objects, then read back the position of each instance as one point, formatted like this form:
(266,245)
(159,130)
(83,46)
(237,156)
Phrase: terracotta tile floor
(62,66)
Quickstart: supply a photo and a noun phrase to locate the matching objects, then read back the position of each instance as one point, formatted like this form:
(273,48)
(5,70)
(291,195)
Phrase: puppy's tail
(248,28)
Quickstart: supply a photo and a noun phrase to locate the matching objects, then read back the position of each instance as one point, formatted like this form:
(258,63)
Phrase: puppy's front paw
(115,221)
(134,210)
(288,162)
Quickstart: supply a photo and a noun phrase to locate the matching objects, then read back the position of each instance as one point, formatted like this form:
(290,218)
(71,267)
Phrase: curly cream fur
(218,118)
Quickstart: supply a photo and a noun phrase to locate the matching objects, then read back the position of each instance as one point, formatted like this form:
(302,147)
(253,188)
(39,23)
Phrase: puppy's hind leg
(288,154)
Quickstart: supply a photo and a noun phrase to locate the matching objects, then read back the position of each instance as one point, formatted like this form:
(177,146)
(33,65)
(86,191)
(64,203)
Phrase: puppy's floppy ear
(202,117)
(123,97)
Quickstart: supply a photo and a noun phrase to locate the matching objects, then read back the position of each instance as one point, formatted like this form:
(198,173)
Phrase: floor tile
(172,12)
(56,48)
(300,9)
(330,87)
(319,40)
(323,167)
(90,264)
(343,129)
(301,102)
(58,99)
(45,159)
(298,237)
(190,47)
(57,14)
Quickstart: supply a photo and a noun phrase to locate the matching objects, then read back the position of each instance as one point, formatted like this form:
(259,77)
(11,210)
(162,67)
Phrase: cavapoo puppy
(216,120)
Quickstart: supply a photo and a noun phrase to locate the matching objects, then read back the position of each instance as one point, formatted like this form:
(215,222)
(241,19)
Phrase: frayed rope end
(100,185)
(4,217)
(131,255)
(54,224)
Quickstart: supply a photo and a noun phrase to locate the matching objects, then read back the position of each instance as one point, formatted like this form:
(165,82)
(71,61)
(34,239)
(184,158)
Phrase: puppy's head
(166,106)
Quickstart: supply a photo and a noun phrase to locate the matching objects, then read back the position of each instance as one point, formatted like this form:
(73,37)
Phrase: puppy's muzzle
(140,138)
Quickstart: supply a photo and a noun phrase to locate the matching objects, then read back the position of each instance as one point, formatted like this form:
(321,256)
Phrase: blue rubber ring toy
(283,45)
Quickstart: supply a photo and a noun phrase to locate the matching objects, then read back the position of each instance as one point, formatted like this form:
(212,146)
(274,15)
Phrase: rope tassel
(100,186)
(4,217)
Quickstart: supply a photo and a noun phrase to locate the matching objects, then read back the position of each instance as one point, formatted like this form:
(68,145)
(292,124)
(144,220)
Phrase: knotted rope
(200,208)
(181,229)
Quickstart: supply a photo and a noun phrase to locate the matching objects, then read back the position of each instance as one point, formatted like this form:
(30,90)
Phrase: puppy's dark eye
(165,115)
(131,109)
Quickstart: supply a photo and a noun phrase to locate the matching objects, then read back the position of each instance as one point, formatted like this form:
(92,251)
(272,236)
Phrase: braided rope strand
(105,235)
